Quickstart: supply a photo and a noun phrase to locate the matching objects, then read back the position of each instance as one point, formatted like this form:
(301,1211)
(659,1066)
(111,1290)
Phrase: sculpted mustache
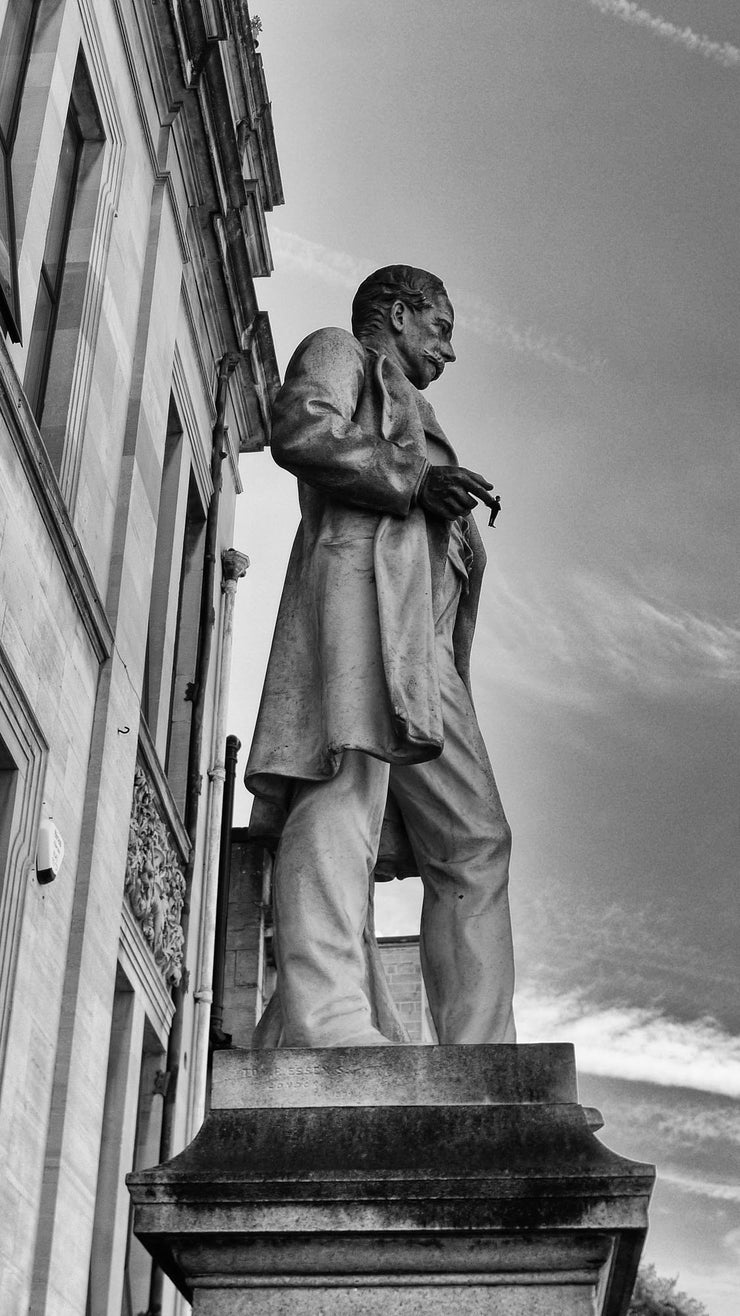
(436,360)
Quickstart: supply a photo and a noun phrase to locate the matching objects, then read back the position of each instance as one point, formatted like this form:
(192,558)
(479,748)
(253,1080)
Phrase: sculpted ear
(397,315)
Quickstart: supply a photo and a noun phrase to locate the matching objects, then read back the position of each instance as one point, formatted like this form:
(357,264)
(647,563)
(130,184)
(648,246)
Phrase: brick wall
(400,956)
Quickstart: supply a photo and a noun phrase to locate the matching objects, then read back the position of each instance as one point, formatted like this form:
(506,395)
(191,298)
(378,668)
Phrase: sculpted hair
(376,293)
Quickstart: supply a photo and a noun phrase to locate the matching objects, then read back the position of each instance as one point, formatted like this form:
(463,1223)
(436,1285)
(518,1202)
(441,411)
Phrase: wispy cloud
(731,1240)
(687,1183)
(321,262)
(472,313)
(638,636)
(694,1124)
(627,957)
(720,51)
(632,1043)
(480,319)
(591,628)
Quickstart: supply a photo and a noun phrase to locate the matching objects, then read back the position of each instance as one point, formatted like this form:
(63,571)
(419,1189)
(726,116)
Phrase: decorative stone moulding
(155,883)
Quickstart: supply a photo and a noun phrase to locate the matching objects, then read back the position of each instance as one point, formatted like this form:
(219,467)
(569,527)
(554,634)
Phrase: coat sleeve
(315,437)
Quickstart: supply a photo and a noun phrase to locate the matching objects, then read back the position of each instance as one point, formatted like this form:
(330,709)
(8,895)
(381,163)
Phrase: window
(186,645)
(52,268)
(22,763)
(53,342)
(10,900)
(155,698)
(138,1272)
(174,608)
(120,1267)
(15,50)
(8,777)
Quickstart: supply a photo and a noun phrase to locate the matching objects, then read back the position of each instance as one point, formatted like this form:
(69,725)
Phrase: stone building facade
(137,162)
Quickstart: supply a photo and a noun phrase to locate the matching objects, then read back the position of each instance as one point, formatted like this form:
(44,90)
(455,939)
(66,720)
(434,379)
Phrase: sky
(570,168)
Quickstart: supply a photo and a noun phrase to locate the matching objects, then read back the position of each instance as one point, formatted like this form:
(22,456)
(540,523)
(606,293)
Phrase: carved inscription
(155,884)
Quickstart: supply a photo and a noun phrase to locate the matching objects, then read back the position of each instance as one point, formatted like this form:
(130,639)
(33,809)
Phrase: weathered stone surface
(413,1299)
(400,1179)
(404,1075)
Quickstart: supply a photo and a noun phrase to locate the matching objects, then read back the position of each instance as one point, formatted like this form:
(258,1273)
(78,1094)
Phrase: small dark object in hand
(495,509)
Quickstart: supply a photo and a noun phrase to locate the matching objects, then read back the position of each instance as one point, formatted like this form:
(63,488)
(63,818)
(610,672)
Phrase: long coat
(352,664)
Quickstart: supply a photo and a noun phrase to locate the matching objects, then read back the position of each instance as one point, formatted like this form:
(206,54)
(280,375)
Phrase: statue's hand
(451,491)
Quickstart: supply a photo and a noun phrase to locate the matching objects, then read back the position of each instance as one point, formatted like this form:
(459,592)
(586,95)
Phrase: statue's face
(423,340)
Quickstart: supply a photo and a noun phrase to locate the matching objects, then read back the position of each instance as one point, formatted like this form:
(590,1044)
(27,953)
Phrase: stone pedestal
(397,1180)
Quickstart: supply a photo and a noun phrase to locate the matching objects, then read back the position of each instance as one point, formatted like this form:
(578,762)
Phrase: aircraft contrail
(720,51)
(472,313)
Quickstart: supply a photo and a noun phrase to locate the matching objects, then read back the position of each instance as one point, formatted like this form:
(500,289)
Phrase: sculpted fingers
(450,491)
(479,486)
(472,479)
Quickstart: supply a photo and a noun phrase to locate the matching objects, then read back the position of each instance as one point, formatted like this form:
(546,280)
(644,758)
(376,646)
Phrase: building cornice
(195,70)
(260,108)
(204,60)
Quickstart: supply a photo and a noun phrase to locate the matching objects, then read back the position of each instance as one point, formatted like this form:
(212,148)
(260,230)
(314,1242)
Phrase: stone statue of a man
(366,733)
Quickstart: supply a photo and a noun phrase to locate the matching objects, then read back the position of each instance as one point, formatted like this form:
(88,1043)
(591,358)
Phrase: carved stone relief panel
(155,883)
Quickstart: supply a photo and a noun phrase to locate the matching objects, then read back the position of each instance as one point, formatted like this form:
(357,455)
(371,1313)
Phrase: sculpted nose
(448,352)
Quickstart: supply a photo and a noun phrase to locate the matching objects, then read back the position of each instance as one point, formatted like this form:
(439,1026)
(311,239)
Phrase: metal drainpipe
(234,567)
(218,1037)
(197,692)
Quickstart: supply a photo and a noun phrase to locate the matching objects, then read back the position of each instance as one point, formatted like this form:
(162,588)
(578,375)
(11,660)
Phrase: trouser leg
(322,871)
(461,839)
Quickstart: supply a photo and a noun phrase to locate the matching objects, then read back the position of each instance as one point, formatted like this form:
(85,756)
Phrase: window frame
(10,308)
(25,754)
(53,288)
(83,191)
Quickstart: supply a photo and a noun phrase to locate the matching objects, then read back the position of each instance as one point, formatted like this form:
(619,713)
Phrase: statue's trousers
(461,840)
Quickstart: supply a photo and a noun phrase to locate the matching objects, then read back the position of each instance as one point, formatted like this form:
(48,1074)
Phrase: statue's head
(409,312)
(377,293)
